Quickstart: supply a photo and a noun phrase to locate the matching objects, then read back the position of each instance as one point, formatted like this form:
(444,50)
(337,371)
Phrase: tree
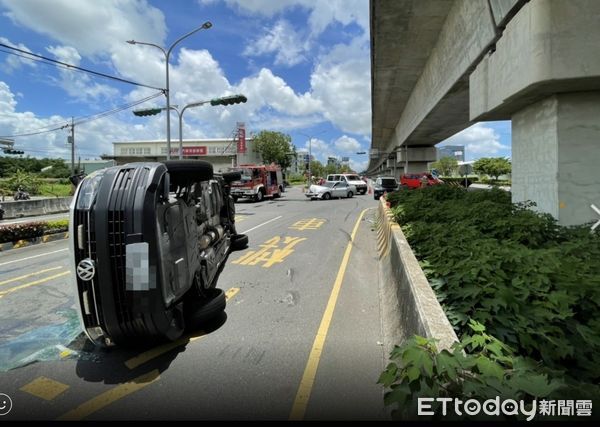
(492,166)
(446,165)
(274,147)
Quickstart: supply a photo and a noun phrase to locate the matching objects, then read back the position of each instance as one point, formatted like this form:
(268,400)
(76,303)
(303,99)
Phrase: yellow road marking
(37,282)
(310,372)
(155,352)
(44,388)
(270,254)
(14,279)
(308,224)
(110,396)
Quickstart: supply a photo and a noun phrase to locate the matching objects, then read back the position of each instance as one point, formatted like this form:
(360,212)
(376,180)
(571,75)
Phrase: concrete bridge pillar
(556,156)
(544,75)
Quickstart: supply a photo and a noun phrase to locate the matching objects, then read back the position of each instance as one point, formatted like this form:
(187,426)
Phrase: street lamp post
(167,54)
(310,138)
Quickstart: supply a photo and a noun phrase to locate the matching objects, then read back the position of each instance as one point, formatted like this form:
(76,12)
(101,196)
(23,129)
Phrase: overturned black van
(148,242)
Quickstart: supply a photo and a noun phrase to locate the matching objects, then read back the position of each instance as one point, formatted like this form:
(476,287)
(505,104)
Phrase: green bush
(534,284)
(479,367)
(31,230)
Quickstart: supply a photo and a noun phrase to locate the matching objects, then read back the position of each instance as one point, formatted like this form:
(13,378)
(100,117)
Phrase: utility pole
(72,141)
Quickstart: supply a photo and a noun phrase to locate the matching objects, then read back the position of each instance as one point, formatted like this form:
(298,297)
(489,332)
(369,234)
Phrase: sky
(304,66)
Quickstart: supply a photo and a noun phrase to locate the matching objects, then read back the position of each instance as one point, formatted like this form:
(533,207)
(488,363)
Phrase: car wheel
(199,310)
(350,194)
(259,196)
(326,196)
(239,242)
(183,172)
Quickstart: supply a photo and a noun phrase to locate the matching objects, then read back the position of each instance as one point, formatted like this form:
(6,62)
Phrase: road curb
(35,241)
(410,306)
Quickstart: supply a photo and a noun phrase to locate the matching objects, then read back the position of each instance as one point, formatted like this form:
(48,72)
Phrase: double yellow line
(34,283)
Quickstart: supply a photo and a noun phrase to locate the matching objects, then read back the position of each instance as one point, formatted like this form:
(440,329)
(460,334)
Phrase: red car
(415,180)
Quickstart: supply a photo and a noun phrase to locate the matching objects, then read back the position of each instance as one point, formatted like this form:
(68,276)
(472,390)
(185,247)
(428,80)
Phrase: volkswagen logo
(86,269)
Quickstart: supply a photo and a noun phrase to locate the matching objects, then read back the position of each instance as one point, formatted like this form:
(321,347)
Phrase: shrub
(534,284)
(31,230)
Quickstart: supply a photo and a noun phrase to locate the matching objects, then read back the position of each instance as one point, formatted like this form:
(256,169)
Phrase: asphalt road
(300,338)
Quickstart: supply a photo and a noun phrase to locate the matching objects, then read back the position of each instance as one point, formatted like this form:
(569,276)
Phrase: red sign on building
(241,145)
(191,151)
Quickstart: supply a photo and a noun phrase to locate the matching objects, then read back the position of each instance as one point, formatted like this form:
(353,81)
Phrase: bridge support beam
(556,153)
(418,158)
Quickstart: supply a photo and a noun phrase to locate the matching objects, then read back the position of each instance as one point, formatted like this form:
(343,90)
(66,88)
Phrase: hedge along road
(292,309)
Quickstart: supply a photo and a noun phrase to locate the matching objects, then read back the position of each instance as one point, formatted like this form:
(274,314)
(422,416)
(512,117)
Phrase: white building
(221,152)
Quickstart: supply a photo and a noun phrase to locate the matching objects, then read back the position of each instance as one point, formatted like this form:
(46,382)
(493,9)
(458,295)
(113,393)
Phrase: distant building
(333,161)
(221,152)
(456,151)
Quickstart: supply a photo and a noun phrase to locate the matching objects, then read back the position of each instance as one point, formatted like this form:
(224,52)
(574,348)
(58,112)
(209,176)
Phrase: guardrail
(409,304)
(21,208)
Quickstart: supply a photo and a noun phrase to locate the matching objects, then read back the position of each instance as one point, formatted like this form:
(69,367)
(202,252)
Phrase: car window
(388,181)
(352,178)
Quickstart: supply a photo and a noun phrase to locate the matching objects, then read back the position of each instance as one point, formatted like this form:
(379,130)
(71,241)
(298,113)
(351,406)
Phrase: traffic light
(147,112)
(228,100)
(12,151)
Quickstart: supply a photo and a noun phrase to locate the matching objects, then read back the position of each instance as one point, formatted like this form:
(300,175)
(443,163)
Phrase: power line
(29,55)
(85,119)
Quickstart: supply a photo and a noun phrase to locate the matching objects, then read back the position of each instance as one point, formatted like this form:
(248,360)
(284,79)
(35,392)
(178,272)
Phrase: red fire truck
(258,182)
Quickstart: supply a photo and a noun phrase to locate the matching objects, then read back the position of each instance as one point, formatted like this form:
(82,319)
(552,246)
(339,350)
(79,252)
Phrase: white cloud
(281,40)
(346,144)
(479,141)
(342,82)
(78,84)
(358,166)
(14,62)
(322,13)
(95,27)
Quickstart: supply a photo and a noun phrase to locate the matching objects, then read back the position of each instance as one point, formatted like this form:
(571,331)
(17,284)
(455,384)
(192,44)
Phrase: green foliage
(31,230)
(492,166)
(317,169)
(534,284)
(9,165)
(447,166)
(296,179)
(55,190)
(26,180)
(274,147)
(479,367)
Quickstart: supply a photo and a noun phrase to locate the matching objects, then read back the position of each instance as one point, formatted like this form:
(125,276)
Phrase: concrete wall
(409,304)
(550,46)
(16,209)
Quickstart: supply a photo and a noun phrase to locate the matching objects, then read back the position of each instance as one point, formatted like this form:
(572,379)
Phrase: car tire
(200,310)
(239,242)
(183,172)
(326,196)
(259,196)
(350,194)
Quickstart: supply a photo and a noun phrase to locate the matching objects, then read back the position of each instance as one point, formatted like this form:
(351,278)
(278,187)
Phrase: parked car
(416,180)
(351,179)
(1,213)
(148,243)
(384,184)
(331,189)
